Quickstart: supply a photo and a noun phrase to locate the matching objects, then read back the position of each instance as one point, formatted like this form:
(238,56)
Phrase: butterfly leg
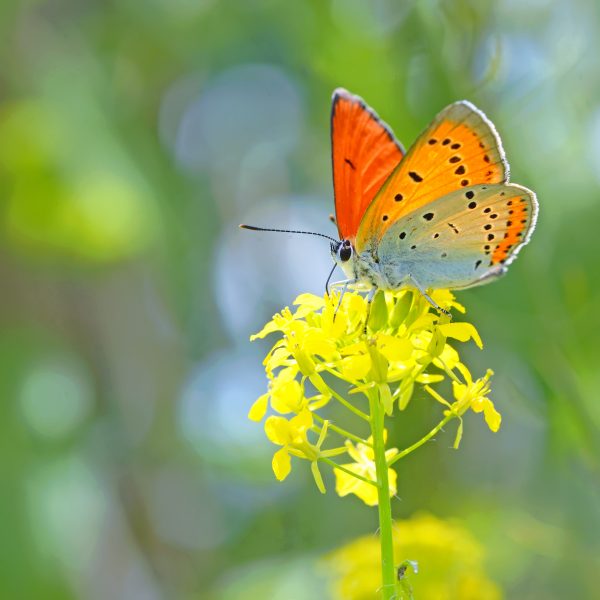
(345,283)
(427,297)
(370,297)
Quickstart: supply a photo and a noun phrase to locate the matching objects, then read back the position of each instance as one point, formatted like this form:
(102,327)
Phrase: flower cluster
(379,353)
(448,558)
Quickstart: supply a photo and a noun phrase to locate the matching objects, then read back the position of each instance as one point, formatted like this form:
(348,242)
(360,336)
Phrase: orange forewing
(460,148)
(364,153)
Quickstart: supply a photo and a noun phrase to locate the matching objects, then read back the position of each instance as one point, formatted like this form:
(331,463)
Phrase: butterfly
(442,215)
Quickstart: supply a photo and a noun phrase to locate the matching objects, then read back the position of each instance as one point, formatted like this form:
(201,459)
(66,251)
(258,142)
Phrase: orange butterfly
(442,215)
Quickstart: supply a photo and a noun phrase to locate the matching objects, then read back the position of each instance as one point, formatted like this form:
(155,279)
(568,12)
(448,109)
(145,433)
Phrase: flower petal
(395,348)
(287,397)
(316,343)
(302,421)
(347,484)
(462,332)
(492,417)
(277,429)
(309,301)
(355,367)
(270,327)
(259,408)
(282,464)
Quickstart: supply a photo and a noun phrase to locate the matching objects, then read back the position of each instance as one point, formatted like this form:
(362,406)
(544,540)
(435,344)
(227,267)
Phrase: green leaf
(459,434)
(406,391)
(437,343)
(401,309)
(379,365)
(314,467)
(385,396)
(378,316)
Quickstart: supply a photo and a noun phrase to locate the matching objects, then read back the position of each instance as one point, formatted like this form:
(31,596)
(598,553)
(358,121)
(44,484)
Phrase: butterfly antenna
(253,228)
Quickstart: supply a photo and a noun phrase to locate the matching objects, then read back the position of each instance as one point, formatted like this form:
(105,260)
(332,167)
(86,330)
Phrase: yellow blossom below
(450,563)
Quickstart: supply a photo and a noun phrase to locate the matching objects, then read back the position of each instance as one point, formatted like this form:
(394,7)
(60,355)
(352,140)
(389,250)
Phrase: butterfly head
(343,253)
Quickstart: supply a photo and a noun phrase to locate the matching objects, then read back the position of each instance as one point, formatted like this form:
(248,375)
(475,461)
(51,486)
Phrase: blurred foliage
(134,136)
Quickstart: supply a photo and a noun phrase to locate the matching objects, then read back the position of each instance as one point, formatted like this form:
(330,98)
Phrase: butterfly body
(442,215)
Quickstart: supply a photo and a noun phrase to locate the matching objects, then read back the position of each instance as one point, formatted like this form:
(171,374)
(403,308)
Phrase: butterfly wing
(463,239)
(459,149)
(364,153)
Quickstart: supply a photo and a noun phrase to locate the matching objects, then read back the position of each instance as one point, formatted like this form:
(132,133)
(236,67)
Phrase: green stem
(388,573)
(341,431)
(332,371)
(333,464)
(423,440)
(344,402)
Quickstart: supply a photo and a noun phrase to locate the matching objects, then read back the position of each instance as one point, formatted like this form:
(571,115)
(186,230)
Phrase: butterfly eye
(345,252)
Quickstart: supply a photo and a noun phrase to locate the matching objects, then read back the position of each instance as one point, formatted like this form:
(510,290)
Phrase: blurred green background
(134,137)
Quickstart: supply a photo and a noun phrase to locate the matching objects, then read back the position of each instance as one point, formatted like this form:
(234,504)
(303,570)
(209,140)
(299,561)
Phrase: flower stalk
(388,571)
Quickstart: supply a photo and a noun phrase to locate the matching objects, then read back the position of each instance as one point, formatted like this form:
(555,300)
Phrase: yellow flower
(287,397)
(405,347)
(291,435)
(450,563)
(363,465)
(473,395)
